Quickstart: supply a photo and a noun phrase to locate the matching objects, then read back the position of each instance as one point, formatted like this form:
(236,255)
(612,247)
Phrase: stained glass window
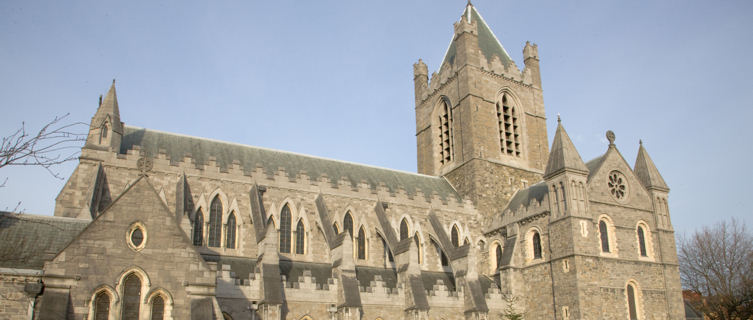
(198,229)
(230,231)
(300,233)
(285,229)
(215,223)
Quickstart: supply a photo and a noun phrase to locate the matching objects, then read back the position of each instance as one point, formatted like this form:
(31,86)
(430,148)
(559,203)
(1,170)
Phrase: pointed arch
(272,221)
(335,228)
(198,229)
(607,236)
(534,246)
(604,236)
(230,231)
(348,223)
(404,230)
(300,237)
(455,236)
(103,303)
(285,228)
(131,306)
(215,223)
(419,250)
(634,300)
(443,123)
(159,302)
(510,125)
(498,256)
(361,244)
(644,240)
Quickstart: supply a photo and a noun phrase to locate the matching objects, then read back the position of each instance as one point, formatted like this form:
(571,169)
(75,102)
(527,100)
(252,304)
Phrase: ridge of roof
(177,146)
(292,153)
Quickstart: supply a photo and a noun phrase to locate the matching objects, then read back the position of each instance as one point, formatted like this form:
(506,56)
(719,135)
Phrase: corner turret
(106,130)
(652,180)
(420,80)
(531,60)
(566,175)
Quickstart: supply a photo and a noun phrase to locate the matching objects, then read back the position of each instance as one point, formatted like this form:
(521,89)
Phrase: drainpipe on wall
(33,290)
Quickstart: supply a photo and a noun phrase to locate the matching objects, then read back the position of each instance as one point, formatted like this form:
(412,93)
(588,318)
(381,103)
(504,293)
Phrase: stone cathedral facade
(498,221)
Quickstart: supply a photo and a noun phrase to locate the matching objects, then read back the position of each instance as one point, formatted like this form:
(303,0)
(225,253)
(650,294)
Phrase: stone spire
(106,130)
(646,171)
(563,155)
(108,107)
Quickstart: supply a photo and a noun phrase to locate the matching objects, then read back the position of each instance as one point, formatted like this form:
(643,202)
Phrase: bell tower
(480,121)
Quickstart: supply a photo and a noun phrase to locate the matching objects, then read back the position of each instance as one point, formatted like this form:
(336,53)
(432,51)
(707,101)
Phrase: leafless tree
(56,142)
(717,263)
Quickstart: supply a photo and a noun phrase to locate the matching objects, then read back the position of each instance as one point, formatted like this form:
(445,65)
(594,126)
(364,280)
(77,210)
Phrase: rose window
(617,185)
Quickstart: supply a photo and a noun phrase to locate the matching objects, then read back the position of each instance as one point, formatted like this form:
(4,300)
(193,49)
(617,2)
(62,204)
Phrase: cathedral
(498,223)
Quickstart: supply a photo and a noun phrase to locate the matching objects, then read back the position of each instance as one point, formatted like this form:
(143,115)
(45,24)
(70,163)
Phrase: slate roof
(594,164)
(27,241)
(178,146)
(487,41)
(366,275)
(524,196)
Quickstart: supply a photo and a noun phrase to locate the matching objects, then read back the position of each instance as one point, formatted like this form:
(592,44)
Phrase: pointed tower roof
(487,41)
(108,107)
(563,155)
(646,171)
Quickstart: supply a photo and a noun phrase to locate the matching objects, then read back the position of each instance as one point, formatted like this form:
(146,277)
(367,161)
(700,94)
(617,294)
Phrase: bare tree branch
(717,264)
(55,143)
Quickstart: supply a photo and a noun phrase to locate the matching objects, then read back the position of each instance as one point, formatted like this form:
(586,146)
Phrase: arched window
(335,228)
(417,241)
(509,128)
(556,199)
(348,224)
(285,229)
(102,306)
(642,242)
(536,245)
(564,197)
(103,134)
(466,241)
(158,308)
(198,229)
(361,240)
(131,297)
(455,236)
(403,229)
(498,256)
(445,133)
(300,234)
(632,307)
(604,234)
(271,221)
(230,232)
(215,223)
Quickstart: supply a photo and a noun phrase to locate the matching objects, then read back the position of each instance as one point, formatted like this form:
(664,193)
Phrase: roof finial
(113,81)
(469,3)
(100,99)
(610,137)
(640,141)
(559,120)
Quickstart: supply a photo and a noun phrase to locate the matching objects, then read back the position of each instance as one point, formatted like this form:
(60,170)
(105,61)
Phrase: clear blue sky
(334,79)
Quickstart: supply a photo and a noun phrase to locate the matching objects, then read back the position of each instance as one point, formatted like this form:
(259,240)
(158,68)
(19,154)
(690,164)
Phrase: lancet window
(361,241)
(300,234)
(198,229)
(285,229)
(102,306)
(348,224)
(230,232)
(215,223)
(403,229)
(158,308)
(131,297)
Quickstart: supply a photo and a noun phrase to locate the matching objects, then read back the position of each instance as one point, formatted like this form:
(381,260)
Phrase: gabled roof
(28,241)
(646,171)
(487,41)
(200,149)
(563,156)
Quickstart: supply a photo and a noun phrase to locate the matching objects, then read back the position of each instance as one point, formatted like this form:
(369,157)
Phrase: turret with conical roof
(566,175)
(106,130)
(652,180)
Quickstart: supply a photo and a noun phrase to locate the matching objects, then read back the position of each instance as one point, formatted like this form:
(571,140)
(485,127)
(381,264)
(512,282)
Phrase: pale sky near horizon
(334,79)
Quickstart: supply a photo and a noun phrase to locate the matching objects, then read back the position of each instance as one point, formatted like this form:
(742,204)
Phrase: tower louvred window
(445,133)
(509,128)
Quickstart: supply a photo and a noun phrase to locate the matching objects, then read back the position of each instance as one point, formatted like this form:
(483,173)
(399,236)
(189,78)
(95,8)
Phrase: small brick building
(156,225)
